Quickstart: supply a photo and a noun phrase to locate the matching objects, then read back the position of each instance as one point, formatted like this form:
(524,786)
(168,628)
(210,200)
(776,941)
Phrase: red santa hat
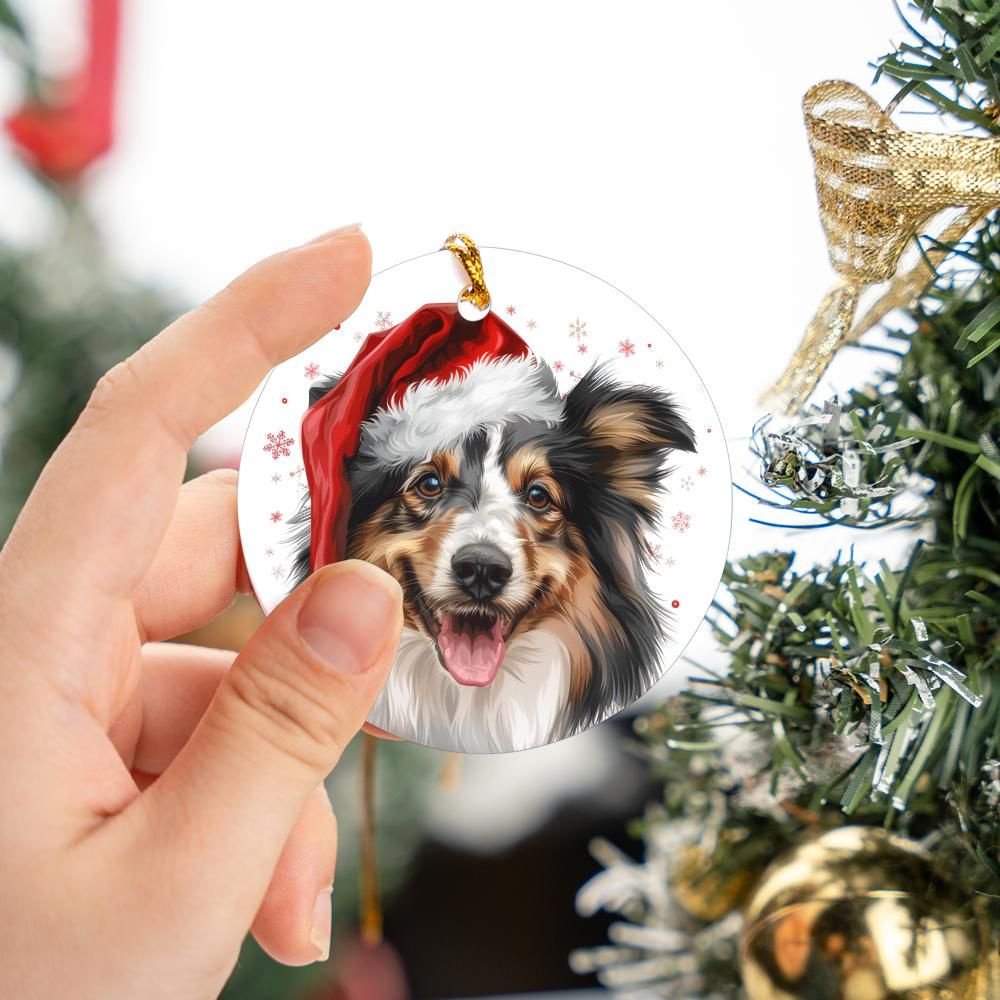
(415,387)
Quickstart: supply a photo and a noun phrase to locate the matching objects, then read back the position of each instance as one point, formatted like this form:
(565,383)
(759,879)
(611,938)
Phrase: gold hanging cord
(878,187)
(371,901)
(370,895)
(467,252)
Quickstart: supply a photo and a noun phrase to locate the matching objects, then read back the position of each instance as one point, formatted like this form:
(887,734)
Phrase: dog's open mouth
(472,646)
(471,643)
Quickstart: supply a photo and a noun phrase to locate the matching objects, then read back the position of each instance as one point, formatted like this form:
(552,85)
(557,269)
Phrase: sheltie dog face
(514,520)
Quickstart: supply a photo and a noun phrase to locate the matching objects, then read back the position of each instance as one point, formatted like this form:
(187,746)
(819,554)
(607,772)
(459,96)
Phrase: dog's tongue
(472,653)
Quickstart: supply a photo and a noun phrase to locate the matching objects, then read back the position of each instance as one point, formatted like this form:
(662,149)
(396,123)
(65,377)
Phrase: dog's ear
(319,389)
(629,431)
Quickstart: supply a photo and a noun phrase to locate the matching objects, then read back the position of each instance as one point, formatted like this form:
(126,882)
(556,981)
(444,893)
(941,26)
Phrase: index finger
(104,501)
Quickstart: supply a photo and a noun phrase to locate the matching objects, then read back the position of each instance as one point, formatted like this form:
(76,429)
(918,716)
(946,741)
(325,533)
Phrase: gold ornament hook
(467,252)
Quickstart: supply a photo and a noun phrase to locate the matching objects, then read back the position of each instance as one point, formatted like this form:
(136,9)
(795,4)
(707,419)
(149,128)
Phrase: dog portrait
(515,519)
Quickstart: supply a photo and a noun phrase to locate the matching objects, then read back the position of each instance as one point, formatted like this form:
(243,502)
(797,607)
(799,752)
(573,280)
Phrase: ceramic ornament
(537,464)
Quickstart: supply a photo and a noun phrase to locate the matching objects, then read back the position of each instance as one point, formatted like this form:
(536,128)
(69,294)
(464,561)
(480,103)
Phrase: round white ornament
(547,480)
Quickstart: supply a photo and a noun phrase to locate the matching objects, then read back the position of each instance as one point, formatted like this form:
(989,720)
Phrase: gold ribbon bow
(878,186)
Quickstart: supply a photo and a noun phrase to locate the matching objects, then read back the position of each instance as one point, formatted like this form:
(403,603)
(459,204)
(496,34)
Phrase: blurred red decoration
(63,136)
(366,972)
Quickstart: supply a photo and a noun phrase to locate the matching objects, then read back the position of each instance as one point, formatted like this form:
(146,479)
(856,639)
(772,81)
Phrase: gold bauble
(859,914)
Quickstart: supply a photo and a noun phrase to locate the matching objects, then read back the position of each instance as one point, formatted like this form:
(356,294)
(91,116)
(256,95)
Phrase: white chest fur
(522,708)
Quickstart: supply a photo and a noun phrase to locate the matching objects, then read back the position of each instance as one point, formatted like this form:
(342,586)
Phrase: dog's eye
(429,486)
(538,497)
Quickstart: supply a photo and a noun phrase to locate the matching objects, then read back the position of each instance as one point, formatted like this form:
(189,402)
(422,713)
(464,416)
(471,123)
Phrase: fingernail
(354,227)
(348,614)
(322,923)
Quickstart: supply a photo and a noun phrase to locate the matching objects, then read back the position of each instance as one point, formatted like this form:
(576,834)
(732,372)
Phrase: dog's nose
(482,570)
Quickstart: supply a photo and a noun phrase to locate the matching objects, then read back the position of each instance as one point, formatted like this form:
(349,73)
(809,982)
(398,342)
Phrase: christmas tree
(67,313)
(858,723)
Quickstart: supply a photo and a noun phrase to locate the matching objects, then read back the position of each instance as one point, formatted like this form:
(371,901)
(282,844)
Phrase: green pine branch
(951,60)
(864,694)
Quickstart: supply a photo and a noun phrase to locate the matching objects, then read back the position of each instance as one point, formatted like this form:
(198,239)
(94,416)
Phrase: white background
(659,145)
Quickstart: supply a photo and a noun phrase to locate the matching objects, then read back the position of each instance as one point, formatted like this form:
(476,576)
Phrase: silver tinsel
(824,459)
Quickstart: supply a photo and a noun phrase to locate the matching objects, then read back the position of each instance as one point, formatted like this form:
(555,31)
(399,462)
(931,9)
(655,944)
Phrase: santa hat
(418,386)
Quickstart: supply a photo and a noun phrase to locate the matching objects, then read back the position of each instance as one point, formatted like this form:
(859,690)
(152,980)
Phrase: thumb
(290,704)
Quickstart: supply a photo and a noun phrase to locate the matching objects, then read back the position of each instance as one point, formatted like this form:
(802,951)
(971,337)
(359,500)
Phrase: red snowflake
(312,370)
(278,572)
(532,324)
(276,478)
(681,521)
(582,349)
(384,320)
(276,517)
(578,329)
(626,348)
(511,310)
(702,471)
(279,445)
(557,366)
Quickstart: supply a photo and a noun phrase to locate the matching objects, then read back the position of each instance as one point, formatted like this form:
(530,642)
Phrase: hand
(159,800)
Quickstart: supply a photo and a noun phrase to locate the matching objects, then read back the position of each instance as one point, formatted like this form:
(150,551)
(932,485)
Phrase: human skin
(160,800)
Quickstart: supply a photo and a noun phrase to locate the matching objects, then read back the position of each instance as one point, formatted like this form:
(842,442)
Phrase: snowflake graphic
(656,552)
(670,561)
(687,483)
(557,366)
(702,471)
(312,370)
(659,363)
(582,349)
(532,324)
(681,521)
(511,310)
(278,572)
(276,517)
(578,329)
(626,348)
(279,445)
(384,320)
(269,553)
(276,478)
